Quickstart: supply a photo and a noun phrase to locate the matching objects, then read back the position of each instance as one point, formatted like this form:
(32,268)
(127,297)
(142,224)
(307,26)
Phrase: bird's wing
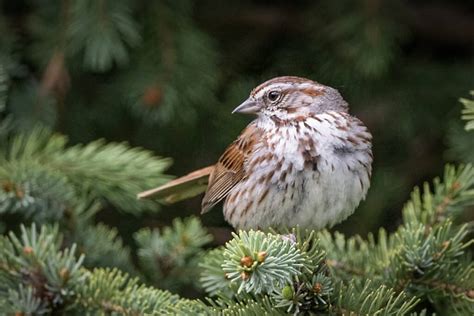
(229,170)
(182,188)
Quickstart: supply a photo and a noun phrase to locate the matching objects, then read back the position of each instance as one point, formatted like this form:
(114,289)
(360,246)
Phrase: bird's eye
(273,95)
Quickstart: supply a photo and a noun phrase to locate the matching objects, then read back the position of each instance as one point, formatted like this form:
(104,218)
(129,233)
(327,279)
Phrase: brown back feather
(229,169)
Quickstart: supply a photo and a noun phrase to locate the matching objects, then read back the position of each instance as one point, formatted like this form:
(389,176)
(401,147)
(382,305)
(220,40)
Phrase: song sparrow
(303,161)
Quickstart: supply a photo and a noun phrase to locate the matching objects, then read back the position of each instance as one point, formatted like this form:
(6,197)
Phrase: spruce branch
(102,31)
(112,291)
(355,300)
(346,257)
(421,259)
(448,198)
(110,171)
(113,171)
(309,243)
(248,306)
(213,279)
(169,257)
(311,291)
(468,112)
(426,256)
(38,277)
(34,268)
(261,262)
(102,246)
(23,301)
(37,193)
(312,295)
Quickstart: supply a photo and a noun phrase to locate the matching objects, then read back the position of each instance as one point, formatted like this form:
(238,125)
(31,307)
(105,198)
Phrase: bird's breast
(311,173)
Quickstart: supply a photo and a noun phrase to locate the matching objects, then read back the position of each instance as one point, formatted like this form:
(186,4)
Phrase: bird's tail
(182,188)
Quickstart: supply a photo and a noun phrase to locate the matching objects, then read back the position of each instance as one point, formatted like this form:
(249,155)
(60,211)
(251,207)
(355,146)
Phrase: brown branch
(441,208)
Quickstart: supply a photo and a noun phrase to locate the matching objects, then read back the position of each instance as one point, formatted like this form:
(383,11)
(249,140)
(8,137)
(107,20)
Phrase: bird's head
(288,96)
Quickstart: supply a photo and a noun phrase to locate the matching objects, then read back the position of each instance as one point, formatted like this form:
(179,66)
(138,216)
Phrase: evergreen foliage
(109,252)
(37,276)
(260,263)
(169,257)
(468,112)
(109,172)
(75,241)
(425,258)
(424,263)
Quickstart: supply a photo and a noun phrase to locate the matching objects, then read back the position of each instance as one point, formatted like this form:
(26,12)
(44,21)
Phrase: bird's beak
(249,106)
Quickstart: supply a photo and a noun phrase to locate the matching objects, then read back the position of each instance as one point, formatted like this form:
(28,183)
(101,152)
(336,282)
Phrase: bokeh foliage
(164,75)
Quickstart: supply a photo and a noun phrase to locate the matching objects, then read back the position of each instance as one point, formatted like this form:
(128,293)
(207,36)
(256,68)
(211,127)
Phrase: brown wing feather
(184,187)
(229,169)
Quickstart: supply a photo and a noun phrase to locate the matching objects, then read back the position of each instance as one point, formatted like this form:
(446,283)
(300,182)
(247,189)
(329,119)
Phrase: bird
(303,161)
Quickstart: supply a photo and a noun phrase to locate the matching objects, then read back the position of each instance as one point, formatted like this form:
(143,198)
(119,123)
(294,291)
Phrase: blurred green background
(165,75)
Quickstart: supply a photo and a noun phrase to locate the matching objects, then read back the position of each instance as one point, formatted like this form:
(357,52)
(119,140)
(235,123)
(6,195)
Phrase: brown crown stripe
(284,79)
(308,91)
